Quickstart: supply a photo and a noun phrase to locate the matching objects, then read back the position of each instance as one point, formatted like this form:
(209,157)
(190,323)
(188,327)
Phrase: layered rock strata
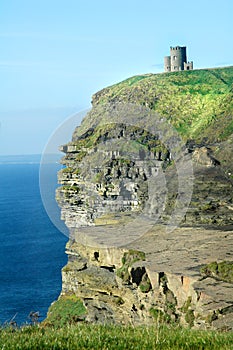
(120,188)
(157,273)
(156,276)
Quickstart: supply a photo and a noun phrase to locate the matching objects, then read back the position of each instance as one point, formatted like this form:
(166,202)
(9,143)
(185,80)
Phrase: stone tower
(177,60)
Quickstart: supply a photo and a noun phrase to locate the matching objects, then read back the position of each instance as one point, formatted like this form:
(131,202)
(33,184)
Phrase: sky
(55,54)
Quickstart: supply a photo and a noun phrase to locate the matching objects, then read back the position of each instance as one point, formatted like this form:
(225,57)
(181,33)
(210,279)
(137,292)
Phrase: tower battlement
(176,47)
(177,60)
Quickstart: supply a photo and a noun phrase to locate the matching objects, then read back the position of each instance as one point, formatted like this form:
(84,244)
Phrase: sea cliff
(147,196)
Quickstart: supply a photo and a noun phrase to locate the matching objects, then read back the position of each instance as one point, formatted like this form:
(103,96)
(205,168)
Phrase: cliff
(147,196)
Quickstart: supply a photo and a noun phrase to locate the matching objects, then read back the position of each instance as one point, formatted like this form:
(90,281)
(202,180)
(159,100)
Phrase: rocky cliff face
(127,178)
(158,276)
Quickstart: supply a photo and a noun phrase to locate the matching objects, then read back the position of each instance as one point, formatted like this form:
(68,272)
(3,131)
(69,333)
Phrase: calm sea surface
(32,249)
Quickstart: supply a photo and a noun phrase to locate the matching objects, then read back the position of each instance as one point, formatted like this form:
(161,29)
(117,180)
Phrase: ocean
(32,249)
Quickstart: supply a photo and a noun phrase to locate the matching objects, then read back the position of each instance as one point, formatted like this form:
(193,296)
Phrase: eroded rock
(124,265)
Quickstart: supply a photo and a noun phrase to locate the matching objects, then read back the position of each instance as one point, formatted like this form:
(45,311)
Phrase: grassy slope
(198,103)
(113,337)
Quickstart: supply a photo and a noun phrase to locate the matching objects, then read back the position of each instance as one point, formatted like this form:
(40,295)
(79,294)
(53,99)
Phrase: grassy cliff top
(197,103)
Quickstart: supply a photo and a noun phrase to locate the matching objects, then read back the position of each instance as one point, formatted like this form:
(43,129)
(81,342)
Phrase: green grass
(67,309)
(102,337)
(198,103)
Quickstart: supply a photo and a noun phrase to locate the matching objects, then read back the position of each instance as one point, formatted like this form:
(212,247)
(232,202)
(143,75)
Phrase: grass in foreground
(83,336)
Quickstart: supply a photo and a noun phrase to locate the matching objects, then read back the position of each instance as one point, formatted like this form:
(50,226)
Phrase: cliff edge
(147,196)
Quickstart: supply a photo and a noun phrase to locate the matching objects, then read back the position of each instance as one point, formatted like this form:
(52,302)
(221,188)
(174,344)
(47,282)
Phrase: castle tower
(167,63)
(177,60)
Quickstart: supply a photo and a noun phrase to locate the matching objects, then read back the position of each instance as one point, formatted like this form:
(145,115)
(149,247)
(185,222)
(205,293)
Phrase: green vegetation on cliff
(67,309)
(198,103)
(222,271)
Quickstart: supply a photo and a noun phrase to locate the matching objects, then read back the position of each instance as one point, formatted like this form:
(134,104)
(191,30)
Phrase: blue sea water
(32,249)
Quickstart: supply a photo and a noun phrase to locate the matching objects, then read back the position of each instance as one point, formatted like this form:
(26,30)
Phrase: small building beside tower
(177,60)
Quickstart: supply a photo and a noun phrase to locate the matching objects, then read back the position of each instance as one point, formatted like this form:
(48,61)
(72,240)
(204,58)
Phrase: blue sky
(56,54)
